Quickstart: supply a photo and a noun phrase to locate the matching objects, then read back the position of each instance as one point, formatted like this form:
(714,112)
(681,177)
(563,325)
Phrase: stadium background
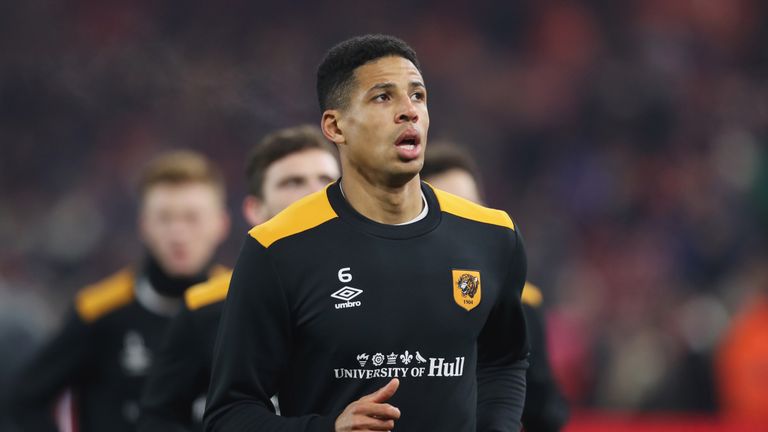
(627,139)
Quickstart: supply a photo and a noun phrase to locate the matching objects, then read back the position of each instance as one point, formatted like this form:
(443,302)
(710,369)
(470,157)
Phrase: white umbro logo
(347,293)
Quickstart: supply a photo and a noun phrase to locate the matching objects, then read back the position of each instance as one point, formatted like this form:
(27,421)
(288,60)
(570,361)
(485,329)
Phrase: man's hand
(371,413)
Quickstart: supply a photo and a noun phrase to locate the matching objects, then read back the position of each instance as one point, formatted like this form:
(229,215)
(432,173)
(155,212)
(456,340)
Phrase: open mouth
(408,140)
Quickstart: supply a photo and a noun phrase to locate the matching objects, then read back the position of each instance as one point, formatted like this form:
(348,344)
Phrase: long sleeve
(545,408)
(177,377)
(253,351)
(58,364)
(502,352)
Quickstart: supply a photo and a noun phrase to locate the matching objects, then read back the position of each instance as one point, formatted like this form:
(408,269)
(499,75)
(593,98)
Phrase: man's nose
(407,112)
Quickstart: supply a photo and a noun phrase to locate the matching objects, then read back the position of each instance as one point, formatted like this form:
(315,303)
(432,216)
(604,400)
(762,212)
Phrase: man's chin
(183,270)
(403,177)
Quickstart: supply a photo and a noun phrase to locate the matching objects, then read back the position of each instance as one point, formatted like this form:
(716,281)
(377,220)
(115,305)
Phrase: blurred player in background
(283,167)
(376,279)
(108,341)
(451,169)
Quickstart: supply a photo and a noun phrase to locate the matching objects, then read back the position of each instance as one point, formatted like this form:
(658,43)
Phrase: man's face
(290,178)
(383,128)
(458,182)
(182,225)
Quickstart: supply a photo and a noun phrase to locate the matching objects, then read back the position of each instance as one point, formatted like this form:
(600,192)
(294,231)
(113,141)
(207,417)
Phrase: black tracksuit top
(325,306)
(181,371)
(102,353)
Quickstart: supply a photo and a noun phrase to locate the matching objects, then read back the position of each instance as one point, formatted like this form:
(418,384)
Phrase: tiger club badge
(467,291)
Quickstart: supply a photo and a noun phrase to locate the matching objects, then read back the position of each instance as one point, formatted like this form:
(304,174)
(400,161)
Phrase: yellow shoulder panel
(303,215)
(209,292)
(218,270)
(99,299)
(532,295)
(466,209)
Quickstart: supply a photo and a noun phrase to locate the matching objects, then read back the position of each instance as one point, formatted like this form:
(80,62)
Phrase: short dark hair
(277,145)
(445,156)
(336,71)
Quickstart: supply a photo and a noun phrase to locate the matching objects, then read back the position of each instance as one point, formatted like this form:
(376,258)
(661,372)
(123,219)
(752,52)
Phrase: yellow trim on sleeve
(466,209)
(212,291)
(103,297)
(532,295)
(303,215)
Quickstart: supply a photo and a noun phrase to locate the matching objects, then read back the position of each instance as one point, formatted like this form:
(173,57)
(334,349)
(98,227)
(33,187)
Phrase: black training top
(102,353)
(182,368)
(325,306)
(546,410)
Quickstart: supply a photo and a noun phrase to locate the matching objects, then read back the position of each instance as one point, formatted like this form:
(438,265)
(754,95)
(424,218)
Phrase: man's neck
(390,205)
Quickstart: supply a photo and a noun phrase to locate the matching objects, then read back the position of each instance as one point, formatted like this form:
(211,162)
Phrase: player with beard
(378,303)
(284,166)
(107,343)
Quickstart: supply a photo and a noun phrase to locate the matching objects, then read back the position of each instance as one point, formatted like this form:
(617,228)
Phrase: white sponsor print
(378,359)
(387,372)
(437,367)
(362,359)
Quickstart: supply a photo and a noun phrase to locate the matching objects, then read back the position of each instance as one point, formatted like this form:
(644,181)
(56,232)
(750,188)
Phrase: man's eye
(292,182)
(418,96)
(381,98)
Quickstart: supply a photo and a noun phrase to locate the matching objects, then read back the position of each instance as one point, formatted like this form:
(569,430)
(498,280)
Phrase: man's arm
(252,350)
(502,352)
(178,376)
(57,365)
(545,408)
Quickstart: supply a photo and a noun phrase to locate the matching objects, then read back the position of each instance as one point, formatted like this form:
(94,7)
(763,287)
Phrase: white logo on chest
(401,365)
(346,293)
(135,356)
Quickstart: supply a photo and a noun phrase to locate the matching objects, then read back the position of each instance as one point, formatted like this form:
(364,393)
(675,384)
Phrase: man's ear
(254,210)
(331,127)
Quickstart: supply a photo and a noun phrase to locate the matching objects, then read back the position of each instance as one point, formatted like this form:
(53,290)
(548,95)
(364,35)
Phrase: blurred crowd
(627,139)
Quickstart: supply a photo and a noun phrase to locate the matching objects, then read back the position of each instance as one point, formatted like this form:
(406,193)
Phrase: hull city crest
(467,289)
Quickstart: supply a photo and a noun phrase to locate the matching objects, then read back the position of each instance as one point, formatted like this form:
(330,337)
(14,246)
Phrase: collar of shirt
(155,302)
(426,221)
(420,216)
